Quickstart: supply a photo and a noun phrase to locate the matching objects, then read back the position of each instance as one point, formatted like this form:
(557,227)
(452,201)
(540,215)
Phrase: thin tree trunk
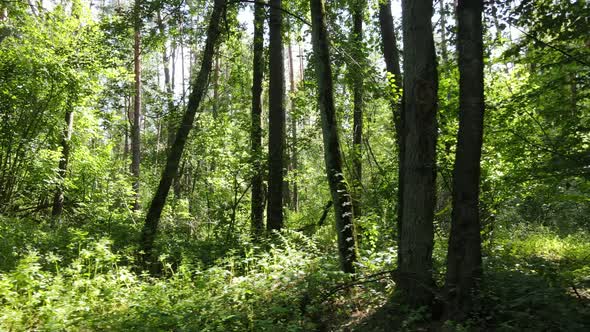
(169,86)
(464,262)
(294,161)
(136,129)
(573,94)
(301,71)
(58,198)
(216,88)
(419,169)
(443,31)
(332,152)
(257,202)
(276,119)
(172,117)
(357,74)
(168,83)
(392,63)
(127,112)
(182,65)
(198,89)
(158,139)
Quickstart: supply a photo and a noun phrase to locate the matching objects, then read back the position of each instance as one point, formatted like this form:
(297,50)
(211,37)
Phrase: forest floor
(535,279)
(71,279)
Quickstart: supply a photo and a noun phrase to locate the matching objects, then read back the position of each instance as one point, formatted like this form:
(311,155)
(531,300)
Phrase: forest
(296,165)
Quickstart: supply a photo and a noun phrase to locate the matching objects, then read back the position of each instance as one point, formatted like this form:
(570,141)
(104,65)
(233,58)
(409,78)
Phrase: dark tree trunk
(357,87)
(135,128)
(198,89)
(276,118)
(419,161)
(58,198)
(294,161)
(257,204)
(332,153)
(464,266)
(391,56)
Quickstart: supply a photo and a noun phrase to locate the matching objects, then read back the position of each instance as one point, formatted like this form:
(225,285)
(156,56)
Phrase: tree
(58,198)
(357,9)
(443,31)
(464,266)
(171,109)
(293,160)
(276,118)
(136,127)
(198,89)
(332,152)
(391,57)
(419,161)
(257,204)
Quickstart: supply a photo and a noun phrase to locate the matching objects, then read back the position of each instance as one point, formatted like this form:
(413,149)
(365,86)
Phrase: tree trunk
(357,87)
(171,114)
(294,161)
(443,32)
(127,113)
(391,56)
(216,88)
(257,203)
(419,161)
(332,153)
(198,89)
(58,198)
(135,129)
(464,266)
(276,118)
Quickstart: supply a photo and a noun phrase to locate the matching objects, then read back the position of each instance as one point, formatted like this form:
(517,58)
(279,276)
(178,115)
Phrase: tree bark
(136,129)
(464,262)
(391,56)
(357,87)
(216,88)
(276,118)
(257,203)
(332,152)
(127,114)
(419,161)
(58,198)
(443,32)
(171,108)
(198,89)
(294,156)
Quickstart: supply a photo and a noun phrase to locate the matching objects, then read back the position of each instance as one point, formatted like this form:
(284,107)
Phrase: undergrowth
(68,280)
(285,286)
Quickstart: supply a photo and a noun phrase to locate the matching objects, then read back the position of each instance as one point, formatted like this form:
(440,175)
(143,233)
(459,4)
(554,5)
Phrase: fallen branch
(365,280)
(576,292)
(325,213)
